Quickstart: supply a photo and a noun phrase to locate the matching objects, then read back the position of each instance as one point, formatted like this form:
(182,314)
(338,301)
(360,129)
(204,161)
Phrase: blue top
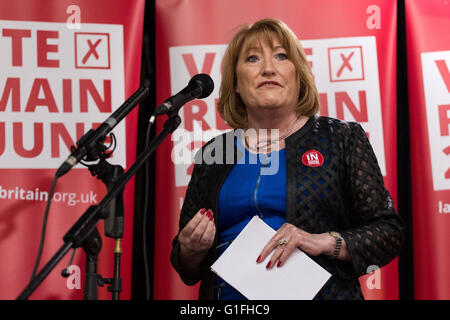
(256,185)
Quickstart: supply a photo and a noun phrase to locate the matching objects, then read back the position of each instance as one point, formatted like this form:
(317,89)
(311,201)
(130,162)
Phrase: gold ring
(282,242)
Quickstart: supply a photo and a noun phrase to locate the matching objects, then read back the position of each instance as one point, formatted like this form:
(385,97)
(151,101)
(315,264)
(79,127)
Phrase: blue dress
(256,185)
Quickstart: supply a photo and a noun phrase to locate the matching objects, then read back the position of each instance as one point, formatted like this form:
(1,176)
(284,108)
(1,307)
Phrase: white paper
(299,278)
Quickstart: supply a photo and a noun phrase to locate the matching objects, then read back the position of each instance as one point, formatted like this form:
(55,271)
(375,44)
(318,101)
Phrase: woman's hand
(311,244)
(198,235)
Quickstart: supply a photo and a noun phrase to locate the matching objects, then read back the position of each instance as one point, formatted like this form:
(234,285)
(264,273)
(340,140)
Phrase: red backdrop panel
(54,87)
(428,49)
(191,37)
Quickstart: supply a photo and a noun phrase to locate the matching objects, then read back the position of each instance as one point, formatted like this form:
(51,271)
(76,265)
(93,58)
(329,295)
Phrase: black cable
(65,272)
(47,210)
(44,226)
(144,223)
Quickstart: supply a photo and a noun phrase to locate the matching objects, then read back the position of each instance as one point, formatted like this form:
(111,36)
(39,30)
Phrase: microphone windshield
(205,82)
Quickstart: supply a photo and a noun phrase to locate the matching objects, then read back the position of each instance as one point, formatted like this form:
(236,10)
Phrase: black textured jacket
(345,194)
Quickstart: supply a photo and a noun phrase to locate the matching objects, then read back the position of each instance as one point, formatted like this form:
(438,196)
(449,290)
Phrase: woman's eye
(252,58)
(282,56)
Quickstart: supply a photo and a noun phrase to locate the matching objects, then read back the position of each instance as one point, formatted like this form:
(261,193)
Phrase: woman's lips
(269,83)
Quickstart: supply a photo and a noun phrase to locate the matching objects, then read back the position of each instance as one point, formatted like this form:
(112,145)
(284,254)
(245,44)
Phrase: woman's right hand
(198,235)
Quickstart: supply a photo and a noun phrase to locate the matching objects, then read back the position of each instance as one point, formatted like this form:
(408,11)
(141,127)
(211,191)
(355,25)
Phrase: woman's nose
(268,67)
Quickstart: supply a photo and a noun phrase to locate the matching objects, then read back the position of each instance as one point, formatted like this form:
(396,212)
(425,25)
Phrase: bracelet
(337,248)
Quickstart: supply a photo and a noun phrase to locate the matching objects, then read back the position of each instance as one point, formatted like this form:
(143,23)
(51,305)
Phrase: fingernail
(259,259)
(279,264)
(268,265)
(208,214)
(202,211)
(211,218)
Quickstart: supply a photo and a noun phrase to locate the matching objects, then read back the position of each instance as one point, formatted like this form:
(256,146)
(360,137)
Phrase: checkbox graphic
(346,63)
(92,51)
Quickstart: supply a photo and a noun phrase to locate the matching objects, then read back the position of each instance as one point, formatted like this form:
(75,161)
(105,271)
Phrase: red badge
(312,158)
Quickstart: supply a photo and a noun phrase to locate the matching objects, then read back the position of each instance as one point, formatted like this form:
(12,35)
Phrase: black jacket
(345,194)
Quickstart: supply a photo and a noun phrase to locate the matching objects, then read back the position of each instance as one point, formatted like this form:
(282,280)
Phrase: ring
(282,242)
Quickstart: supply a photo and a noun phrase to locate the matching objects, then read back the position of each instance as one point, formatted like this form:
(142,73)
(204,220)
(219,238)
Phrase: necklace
(270,142)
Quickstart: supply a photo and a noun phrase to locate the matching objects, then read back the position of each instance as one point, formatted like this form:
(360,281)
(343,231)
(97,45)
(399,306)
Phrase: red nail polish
(208,214)
(202,211)
(259,259)
(268,265)
(278,264)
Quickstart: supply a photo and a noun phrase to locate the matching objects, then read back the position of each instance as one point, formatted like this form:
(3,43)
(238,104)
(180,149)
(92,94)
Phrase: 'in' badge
(312,158)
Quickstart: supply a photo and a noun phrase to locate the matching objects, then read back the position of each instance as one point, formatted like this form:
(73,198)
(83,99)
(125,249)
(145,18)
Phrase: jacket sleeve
(192,203)
(376,234)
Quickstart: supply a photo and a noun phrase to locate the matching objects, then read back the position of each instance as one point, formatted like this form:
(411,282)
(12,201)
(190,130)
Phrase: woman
(327,196)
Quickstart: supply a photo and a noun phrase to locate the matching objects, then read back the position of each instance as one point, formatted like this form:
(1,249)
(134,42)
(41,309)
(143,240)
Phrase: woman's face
(266,78)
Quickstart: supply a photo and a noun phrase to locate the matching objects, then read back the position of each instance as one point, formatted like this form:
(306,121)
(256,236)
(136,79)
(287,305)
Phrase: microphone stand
(91,246)
(86,224)
(114,225)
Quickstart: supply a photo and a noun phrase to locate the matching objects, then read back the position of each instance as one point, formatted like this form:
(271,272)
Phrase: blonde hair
(230,105)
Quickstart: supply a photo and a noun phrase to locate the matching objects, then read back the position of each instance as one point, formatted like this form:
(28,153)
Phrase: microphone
(93,137)
(200,86)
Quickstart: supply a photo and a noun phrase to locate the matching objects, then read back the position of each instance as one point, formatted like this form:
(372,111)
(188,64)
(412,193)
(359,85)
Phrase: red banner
(428,49)
(352,51)
(65,67)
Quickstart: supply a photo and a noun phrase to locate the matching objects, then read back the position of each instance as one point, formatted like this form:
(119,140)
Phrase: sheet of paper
(300,278)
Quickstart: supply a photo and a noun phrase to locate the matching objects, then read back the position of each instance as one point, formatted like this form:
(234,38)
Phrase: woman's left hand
(312,244)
